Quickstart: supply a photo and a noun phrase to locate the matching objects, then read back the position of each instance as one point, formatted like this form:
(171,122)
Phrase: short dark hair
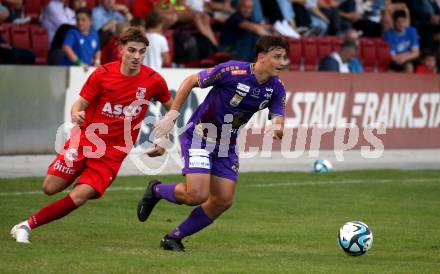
(349,45)
(399,14)
(267,43)
(133,34)
(86,11)
(428,53)
(153,19)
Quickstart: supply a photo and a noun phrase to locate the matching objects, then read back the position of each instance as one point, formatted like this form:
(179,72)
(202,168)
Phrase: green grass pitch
(279,223)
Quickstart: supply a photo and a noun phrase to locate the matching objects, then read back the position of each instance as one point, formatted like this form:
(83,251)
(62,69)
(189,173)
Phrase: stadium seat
(310,53)
(383,55)
(20,37)
(324,46)
(92,3)
(368,54)
(221,57)
(295,54)
(336,43)
(32,8)
(40,43)
(5,32)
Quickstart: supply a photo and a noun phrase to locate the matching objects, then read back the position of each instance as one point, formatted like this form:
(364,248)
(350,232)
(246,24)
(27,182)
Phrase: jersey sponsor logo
(140,94)
(118,109)
(199,158)
(243,87)
(263,104)
(255,93)
(235,101)
(239,72)
(58,166)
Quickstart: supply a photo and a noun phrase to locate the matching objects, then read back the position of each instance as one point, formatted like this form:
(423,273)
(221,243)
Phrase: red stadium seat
(20,37)
(383,55)
(32,8)
(295,54)
(92,3)
(368,54)
(5,31)
(324,46)
(336,43)
(221,57)
(310,53)
(40,43)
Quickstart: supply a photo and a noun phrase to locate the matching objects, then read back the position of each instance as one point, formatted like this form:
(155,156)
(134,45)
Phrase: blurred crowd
(188,33)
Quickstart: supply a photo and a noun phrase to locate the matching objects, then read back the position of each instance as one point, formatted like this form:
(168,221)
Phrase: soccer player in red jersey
(114,96)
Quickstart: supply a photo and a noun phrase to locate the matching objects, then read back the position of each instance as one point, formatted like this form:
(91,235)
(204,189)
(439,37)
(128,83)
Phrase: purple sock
(195,222)
(166,191)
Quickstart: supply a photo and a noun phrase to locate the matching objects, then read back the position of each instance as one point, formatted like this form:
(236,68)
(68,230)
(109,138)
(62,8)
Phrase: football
(355,238)
(322,166)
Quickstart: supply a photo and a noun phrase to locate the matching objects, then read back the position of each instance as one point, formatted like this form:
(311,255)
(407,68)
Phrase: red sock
(52,212)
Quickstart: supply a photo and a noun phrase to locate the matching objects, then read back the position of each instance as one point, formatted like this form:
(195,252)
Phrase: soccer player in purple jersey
(208,145)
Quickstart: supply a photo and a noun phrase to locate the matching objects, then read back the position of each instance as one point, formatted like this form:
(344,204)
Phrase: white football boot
(21,232)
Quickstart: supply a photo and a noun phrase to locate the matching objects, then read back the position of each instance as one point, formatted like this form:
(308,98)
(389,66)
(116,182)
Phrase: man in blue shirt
(106,18)
(208,145)
(403,42)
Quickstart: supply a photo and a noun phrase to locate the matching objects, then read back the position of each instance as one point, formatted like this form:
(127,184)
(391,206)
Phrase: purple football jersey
(235,96)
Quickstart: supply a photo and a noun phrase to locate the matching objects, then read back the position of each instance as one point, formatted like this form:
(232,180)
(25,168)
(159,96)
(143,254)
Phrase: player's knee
(196,198)
(49,190)
(223,204)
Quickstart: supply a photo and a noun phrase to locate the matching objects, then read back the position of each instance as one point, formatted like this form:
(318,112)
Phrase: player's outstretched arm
(164,126)
(77,112)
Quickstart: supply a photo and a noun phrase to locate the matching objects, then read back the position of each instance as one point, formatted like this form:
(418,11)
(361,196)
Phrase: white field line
(342,182)
(288,184)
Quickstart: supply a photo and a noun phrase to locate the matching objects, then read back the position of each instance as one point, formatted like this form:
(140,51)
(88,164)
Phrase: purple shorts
(205,159)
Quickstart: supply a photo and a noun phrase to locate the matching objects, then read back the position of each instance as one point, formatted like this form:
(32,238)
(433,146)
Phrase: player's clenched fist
(78,117)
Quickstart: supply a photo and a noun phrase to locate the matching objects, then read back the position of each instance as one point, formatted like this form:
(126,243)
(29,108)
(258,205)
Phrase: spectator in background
(355,14)
(77,4)
(330,9)
(4,13)
(220,10)
(15,9)
(13,55)
(403,42)
(428,64)
(351,35)
(56,53)
(107,16)
(240,34)
(281,15)
(339,61)
(81,45)
(158,53)
(55,14)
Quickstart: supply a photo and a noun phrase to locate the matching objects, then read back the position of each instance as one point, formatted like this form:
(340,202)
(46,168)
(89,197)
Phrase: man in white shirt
(55,14)
(158,53)
(339,61)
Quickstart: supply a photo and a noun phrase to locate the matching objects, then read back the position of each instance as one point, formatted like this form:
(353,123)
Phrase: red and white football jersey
(112,94)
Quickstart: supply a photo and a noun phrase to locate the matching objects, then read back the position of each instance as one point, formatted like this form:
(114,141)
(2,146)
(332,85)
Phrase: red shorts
(98,172)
